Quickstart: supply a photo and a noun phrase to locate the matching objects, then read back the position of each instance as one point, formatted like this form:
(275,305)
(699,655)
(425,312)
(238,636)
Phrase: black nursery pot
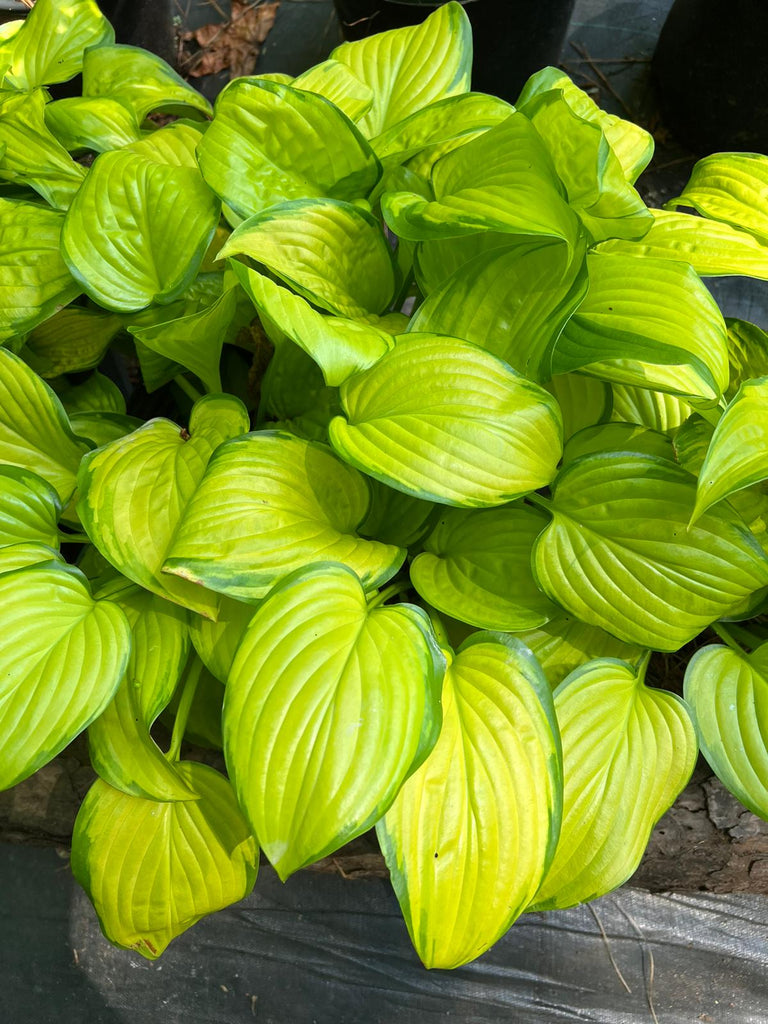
(512,38)
(145,23)
(711,74)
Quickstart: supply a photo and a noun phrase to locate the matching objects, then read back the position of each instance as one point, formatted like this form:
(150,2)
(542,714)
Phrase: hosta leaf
(34,429)
(502,181)
(409,68)
(476,566)
(738,453)
(646,322)
(471,833)
(618,437)
(216,642)
(97,393)
(727,691)
(155,222)
(436,260)
(121,748)
(608,206)
(203,725)
(512,302)
(747,353)
(443,420)
(175,145)
(440,122)
(564,643)
(584,401)
(619,554)
(691,443)
(134,491)
(339,346)
(195,342)
(62,658)
(269,143)
(294,239)
(34,279)
(103,427)
(294,394)
(632,144)
(730,187)
(711,248)
(72,340)
(140,80)
(654,409)
(328,707)
(98,123)
(29,508)
(154,869)
(49,45)
(397,518)
(269,504)
(19,556)
(31,155)
(628,751)
(338,84)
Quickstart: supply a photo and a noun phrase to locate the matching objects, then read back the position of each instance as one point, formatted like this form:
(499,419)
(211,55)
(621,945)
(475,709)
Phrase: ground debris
(232,46)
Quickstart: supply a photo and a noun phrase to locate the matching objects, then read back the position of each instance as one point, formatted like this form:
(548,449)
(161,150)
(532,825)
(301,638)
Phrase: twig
(644,947)
(584,54)
(195,59)
(615,966)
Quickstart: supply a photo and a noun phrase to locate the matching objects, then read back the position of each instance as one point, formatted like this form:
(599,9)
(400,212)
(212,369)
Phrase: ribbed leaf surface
(730,187)
(564,643)
(29,508)
(98,123)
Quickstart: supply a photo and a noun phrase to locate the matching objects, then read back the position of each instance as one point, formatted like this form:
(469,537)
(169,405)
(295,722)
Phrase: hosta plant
(434,435)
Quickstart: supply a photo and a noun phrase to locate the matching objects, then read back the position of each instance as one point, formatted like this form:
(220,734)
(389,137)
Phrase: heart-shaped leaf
(29,508)
(409,68)
(216,642)
(152,869)
(619,554)
(293,240)
(646,322)
(727,691)
(476,566)
(157,221)
(329,706)
(19,556)
(269,143)
(122,750)
(472,832)
(338,84)
(628,751)
(730,187)
(61,661)
(34,429)
(444,420)
(269,504)
(564,643)
(72,340)
(134,491)
(98,123)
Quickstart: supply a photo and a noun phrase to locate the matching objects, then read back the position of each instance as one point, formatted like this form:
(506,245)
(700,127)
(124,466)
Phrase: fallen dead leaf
(233,46)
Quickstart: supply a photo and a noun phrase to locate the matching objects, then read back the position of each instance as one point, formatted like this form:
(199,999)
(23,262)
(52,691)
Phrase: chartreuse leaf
(655,409)
(140,80)
(97,123)
(134,491)
(216,642)
(738,452)
(436,260)
(513,302)
(294,394)
(502,181)
(476,566)
(632,144)
(608,206)
(618,437)
(269,143)
(712,248)
(103,427)
(646,322)
(19,556)
(72,340)
(472,832)
(294,239)
(271,503)
(122,750)
(397,518)
(49,45)
(329,706)
(29,508)
(564,643)
(409,68)
(441,419)
(730,187)
(34,279)
(727,691)
(195,342)
(747,353)
(31,155)
(137,231)
(337,83)
(97,393)
(338,345)
(62,658)
(628,751)
(34,429)
(175,145)
(152,869)
(442,121)
(584,401)
(619,553)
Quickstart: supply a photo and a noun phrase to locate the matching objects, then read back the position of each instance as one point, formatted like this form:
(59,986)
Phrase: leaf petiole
(185,704)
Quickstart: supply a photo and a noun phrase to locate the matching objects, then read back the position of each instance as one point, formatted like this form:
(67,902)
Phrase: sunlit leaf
(29,508)
(337,83)
(730,187)
(654,409)
(584,401)
(98,123)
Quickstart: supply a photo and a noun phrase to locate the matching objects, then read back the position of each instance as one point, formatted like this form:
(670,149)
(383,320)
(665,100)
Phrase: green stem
(189,389)
(73,538)
(711,415)
(391,591)
(185,704)
(437,627)
(726,637)
(539,501)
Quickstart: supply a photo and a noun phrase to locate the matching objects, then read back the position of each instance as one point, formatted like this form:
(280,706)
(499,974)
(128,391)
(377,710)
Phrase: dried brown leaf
(235,45)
